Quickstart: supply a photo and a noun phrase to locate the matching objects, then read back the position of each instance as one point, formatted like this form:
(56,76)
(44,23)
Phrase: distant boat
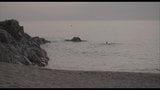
(71,25)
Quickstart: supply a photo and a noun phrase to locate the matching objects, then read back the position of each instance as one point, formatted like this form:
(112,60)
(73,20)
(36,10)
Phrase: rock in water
(16,46)
(75,39)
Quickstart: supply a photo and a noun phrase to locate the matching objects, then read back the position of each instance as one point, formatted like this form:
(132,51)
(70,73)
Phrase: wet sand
(20,76)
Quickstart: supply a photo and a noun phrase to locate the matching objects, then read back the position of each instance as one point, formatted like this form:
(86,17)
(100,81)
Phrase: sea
(134,44)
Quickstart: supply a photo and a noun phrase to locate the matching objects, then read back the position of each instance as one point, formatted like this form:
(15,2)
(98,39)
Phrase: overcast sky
(31,11)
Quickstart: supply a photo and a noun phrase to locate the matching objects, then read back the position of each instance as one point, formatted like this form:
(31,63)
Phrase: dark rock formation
(75,39)
(5,37)
(40,40)
(16,46)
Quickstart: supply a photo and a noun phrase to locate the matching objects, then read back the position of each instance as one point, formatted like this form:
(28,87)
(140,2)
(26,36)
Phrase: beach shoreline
(21,76)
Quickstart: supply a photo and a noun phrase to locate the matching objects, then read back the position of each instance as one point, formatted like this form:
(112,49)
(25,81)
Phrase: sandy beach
(20,76)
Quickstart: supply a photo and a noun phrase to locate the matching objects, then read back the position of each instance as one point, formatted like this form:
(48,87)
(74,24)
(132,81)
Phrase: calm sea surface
(135,48)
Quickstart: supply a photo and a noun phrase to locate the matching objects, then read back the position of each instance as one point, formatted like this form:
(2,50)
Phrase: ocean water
(135,44)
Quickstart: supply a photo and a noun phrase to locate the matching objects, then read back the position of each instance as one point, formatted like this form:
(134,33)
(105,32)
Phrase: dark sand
(12,75)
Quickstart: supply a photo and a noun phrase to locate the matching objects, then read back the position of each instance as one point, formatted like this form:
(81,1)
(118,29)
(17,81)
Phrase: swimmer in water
(108,43)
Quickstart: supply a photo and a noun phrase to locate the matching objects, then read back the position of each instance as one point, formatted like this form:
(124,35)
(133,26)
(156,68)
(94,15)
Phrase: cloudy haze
(31,11)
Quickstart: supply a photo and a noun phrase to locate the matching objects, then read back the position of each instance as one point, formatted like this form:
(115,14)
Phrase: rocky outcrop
(16,46)
(75,39)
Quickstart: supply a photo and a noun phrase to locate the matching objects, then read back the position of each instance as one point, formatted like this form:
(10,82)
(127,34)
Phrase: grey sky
(27,11)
